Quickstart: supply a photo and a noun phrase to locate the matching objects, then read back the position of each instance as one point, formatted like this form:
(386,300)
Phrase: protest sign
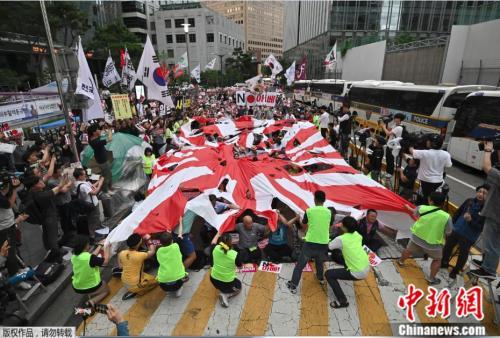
(372,256)
(121,106)
(270,267)
(250,267)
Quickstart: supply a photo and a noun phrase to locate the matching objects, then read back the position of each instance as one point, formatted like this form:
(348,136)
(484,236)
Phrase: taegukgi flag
(85,85)
(110,75)
(275,66)
(290,74)
(211,64)
(152,75)
(331,57)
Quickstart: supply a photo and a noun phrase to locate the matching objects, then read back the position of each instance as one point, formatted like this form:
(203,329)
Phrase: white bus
(428,109)
(478,117)
(302,91)
(329,91)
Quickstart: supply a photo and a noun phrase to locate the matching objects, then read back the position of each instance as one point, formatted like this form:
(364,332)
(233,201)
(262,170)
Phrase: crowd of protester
(67,207)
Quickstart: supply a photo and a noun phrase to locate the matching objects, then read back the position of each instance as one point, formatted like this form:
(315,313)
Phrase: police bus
(302,91)
(477,118)
(329,92)
(428,109)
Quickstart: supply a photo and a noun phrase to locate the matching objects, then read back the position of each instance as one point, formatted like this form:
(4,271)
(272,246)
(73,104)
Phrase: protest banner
(245,268)
(270,267)
(121,106)
(257,99)
(372,256)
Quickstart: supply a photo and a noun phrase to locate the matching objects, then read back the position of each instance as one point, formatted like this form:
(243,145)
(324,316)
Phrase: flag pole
(69,130)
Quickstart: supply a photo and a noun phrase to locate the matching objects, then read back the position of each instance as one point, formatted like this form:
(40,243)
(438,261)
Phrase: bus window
(455,100)
(476,110)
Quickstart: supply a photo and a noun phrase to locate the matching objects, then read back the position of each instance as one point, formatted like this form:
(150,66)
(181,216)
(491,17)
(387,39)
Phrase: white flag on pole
(128,72)
(331,58)
(290,74)
(183,62)
(275,66)
(151,75)
(110,75)
(211,64)
(86,86)
(196,73)
(251,83)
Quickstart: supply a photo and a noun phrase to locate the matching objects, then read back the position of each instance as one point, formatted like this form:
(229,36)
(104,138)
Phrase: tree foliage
(403,38)
(113,37)
(239,67)
(66,18)
(10,79)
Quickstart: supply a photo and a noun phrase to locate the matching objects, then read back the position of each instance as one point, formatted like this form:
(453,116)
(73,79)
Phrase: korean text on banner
(121,106)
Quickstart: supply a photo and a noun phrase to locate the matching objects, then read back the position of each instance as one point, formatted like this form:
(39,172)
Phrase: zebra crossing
(266,307)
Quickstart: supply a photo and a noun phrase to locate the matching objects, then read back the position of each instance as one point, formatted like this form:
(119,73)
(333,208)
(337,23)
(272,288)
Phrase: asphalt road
(463,182)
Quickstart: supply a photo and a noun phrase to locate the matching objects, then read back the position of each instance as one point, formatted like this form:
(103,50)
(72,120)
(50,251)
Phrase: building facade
(262,22)
(210,36)
(139,17)
(354,23)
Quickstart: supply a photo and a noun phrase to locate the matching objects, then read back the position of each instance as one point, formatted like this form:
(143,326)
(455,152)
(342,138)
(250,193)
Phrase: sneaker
(291,287)
(178,293)
(477,263)
(24,286)
(129,295)
(223,299)
(481,273)
(435,281)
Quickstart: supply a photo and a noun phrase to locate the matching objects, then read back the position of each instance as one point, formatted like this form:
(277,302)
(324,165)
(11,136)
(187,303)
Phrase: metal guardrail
(433,42)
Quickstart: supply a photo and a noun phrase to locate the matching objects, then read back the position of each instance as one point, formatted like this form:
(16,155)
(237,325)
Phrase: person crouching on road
(428,233)
(131,261)
(223,273)
(171,273)
(86,275)
(355,260)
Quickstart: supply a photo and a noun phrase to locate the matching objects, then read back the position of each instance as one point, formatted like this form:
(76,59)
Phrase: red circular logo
(250,98)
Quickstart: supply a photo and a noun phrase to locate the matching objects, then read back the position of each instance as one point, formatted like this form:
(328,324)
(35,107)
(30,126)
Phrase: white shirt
(396,131)
(432,164)
(84,194)
(324,119)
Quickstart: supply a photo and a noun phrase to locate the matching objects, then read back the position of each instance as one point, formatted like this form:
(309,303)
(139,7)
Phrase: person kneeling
(171,273)
(132,262)
(355,257)
(223,273)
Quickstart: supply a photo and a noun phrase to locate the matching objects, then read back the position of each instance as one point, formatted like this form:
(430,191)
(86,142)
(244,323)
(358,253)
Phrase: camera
(495,139)
(363,135)
(386,119)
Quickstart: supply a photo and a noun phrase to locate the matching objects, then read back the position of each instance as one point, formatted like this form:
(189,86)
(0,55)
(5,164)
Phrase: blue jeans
(491,245)
(310,250)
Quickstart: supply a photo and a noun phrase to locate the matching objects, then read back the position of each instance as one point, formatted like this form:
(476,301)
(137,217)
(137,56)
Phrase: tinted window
(455,100)
(180,38)
(170,39)
(192,37)
(476,110)
(191,22)
(330,88)
(210,37)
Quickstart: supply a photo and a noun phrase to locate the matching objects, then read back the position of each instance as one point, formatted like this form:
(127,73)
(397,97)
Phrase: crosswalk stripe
(224,321)
(165,318)
(372,315)
(343,322)
(255,315)
(313,307)
(139,314)
(197,313)
(413,274)
(286,307)
(114,285)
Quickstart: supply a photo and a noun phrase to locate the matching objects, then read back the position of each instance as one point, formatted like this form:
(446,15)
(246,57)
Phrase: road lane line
(461,182)
(313,307)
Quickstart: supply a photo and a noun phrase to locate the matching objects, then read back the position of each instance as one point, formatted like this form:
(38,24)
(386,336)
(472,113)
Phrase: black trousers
(247,256)
(324,132)
(373,243)
(277,252)
(344,144)
(464,246)
(65,219)
(427,189)
(333,276)
(389,161)
(12,263)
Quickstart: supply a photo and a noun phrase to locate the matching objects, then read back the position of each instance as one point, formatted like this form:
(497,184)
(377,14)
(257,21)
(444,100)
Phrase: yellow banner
(121,106)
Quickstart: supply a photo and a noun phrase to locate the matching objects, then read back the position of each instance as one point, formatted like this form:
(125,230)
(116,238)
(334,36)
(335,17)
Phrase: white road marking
(461,182)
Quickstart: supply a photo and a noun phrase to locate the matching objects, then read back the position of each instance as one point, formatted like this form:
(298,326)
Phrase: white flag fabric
(128,72)
(331,58)
(251,83)
(275,66)
(211,64)
(86,86)
(151,75)
(290,74)
(183,62)
(196,73)
(110,76)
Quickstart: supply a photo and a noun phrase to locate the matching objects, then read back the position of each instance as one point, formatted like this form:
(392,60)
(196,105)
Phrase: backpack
(47,272)
(80,206)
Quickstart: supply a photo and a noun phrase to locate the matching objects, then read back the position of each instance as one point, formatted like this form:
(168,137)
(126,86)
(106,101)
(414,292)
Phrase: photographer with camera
(491,213)
(345,126)
(394,132)
(433,162)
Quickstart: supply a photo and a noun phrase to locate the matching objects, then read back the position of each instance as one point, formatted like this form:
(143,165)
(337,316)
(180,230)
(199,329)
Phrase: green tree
(65,17)
(10,79)
(113,37)
(403,38)
(210,78)
(241,63)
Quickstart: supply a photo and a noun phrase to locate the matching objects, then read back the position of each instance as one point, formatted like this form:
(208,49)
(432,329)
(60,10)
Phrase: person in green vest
(171,273)
(428,234)
(355,260)
(148,161)
(317,221)
(86,275)
(316,119)
(223,273)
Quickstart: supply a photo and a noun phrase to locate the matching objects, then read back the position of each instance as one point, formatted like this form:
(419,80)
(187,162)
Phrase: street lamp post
(221,65)
(186,31)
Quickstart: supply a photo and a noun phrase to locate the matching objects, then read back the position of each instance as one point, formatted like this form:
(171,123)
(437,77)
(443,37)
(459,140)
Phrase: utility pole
(221,67)
(69,130)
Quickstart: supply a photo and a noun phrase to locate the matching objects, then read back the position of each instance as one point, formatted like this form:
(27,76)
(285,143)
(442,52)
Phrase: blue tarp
(57,123)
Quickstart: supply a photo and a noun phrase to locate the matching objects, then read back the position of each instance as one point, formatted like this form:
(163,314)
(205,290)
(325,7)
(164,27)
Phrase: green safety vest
(84,276)
(316,120)
(171,268)
(169,133)
(224,268)
(431,227)
(318,229)
(355,256)
(147,163)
